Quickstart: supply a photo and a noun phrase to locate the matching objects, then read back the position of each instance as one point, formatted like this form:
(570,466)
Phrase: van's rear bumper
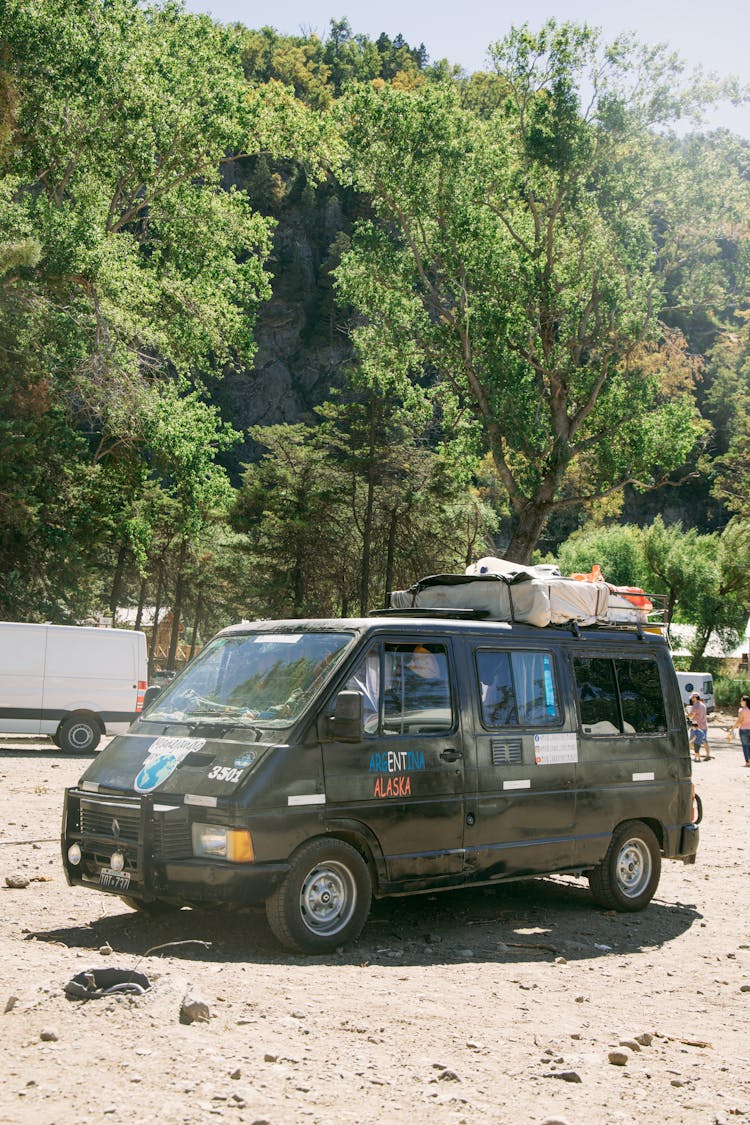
(682,843)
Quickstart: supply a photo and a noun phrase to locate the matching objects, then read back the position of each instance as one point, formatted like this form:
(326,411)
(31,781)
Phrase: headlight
(216,842)
(74,854)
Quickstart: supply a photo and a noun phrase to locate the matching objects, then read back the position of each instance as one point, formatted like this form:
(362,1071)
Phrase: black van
(313,764)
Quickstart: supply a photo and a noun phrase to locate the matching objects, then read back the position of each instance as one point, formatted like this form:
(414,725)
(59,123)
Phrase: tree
(520,255)
(123,259)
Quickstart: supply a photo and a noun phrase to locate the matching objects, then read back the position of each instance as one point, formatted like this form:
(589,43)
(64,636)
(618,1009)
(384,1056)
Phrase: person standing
(742,724)
(698,718)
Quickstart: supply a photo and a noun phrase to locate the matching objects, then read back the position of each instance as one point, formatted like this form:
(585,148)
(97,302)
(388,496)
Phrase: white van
(702,682)
(70,682)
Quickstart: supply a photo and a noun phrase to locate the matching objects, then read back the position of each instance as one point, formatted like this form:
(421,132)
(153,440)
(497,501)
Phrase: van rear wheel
(79,734)
(324,900)
(628,876)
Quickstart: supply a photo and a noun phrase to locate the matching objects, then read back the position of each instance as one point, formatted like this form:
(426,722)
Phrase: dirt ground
(519,1004)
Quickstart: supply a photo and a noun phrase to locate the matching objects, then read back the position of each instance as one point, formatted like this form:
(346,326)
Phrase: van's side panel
(521,815)
(95,670)
(21,677)
(632,776)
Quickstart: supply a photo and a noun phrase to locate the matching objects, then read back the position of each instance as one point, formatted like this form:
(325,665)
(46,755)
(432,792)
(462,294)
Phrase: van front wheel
(79,734)
(324,900)
(628,876)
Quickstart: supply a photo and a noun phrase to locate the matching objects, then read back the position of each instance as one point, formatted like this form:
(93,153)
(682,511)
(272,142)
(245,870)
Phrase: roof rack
(464,614)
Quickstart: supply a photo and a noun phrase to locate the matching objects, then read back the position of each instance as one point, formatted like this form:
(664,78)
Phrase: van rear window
(619,696)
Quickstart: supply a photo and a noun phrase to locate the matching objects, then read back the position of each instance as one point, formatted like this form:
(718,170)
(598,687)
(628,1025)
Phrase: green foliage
(728,692)
(617,550)
(335,516)
(521,254)
(123,259)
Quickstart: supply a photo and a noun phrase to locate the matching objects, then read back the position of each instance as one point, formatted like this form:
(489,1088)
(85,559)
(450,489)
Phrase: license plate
(114,880)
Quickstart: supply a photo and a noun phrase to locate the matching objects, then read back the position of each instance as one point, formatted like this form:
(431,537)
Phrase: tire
(324,900)
(155,907)
(79,734)
(628,876)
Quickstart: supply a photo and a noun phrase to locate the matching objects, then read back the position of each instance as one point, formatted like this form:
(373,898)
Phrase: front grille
(113,822)
(506,751)
(105,826)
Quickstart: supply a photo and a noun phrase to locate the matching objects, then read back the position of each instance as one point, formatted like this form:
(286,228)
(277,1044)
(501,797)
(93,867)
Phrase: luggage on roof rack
(534,595)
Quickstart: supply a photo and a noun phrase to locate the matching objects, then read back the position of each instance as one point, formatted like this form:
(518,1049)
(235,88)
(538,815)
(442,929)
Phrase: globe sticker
(163,758)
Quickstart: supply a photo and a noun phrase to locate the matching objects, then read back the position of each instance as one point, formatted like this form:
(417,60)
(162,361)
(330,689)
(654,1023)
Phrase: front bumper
(154,840)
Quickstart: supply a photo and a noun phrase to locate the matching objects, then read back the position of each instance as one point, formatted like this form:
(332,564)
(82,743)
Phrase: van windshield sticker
(278,638)
(555,749)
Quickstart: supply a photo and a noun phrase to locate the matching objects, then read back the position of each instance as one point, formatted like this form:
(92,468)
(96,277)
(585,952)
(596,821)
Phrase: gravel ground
(518,1004)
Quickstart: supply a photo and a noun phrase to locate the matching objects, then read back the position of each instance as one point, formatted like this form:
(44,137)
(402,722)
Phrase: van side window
(517,688)
(415,697)
(619,696)
(641,696)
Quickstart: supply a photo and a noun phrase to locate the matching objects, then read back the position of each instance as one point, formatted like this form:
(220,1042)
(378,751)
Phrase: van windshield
(256,679)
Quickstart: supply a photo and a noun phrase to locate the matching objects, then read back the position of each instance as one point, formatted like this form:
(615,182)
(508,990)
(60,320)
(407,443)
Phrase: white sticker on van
(555,749)
(643,777)
(278,638)
(307,799)
(526,784)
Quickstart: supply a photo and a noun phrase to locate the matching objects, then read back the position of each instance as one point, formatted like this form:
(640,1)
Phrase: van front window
(252,679)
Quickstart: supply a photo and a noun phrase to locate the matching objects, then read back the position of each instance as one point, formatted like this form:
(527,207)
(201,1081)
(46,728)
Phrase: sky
(714,35)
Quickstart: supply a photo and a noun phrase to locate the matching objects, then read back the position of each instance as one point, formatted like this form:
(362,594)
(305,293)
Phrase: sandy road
(500,1005)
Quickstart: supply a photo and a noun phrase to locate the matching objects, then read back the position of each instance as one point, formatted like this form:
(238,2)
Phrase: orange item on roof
(633,594)
(595,575)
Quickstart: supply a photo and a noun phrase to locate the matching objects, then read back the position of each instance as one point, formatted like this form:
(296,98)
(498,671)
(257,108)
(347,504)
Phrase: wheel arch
(359,836)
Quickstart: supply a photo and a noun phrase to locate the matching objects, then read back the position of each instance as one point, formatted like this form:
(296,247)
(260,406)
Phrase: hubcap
(328,897)
(81,737)
(633,868)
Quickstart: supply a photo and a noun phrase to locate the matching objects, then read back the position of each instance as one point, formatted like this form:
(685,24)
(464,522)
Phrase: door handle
(451,755)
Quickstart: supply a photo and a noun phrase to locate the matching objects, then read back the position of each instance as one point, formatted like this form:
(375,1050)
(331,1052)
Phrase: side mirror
(347,723)
(150,696)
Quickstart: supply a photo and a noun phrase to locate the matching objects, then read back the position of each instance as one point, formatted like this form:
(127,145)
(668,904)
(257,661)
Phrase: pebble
(17,882)
(10,1004)
(645,1039)
(618,1058)
(194,1010)
(105,949)
(745,988)
(48,1035)
(633,1044)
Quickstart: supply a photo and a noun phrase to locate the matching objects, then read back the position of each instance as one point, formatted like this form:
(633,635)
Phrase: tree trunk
(177,608)
(155,625)
(390,555)
(198,612)
(364,585)
(114,597)
(527,531)
(141,603)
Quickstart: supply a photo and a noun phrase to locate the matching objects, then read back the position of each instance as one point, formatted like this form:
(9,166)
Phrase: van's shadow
(516,924)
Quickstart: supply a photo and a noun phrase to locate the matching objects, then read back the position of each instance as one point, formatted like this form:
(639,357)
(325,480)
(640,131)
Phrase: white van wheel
(324,900)
(628,876)
(79,734)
